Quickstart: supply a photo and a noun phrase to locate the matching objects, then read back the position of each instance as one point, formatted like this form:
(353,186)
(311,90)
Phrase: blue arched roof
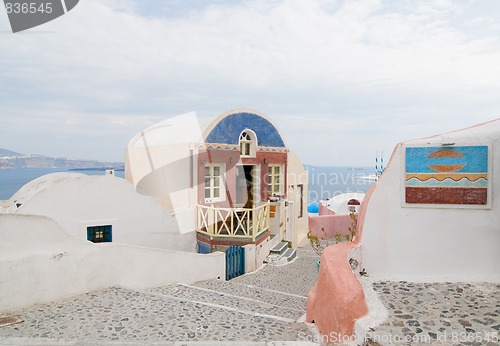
(228,130)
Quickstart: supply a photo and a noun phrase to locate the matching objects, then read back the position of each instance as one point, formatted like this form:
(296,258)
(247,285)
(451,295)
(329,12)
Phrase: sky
(343,80)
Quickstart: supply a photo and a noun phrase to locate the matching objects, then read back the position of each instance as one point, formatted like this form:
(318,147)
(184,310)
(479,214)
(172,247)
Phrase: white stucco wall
(40,262)
(297,175)
(77,201)
(161,144)
(159,161)
(434,243)
(166,173)
(339,205)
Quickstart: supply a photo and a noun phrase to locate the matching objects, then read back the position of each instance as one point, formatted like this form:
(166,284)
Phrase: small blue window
(99,234)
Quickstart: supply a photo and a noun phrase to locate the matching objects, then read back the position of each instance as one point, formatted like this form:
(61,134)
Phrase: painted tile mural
(451,175)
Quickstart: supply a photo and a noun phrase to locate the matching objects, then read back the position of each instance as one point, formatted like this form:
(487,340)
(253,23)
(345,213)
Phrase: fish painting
(451,175)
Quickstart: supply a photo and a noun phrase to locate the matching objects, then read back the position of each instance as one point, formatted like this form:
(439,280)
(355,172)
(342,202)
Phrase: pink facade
(337,300)
(324,210)
(231,159)
(327,226)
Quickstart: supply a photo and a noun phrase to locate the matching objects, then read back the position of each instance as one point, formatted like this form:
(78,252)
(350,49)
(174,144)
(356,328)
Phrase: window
(275,180)
(99,234)
(248,143)
(214,184)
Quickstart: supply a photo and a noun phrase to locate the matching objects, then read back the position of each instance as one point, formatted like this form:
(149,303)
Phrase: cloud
(369,73)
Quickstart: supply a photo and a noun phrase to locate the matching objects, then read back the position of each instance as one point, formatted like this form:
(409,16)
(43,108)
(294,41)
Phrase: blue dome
(313,207)
(229,129)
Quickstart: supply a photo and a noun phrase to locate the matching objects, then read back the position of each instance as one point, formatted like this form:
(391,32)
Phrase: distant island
(12,160)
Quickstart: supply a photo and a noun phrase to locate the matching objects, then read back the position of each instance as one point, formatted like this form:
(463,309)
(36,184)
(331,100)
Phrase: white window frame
(215,182)
(275,187)
(248,140)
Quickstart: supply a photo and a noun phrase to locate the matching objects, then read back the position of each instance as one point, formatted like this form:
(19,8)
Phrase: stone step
(268,296)
(280,248)
(279,260)
(295,278)
(121,316)
(290,254)
(242,304)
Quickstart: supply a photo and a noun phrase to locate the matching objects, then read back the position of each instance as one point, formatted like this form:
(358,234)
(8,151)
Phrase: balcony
(239,223)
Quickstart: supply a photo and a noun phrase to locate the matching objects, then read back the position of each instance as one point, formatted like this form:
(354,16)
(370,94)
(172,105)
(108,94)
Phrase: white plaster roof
(185,128)
(38,185)
(339,203)
(478,133)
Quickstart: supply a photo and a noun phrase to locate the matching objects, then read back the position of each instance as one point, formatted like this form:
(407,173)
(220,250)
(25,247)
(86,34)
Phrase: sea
(328,182)
(12,180)
(324,182)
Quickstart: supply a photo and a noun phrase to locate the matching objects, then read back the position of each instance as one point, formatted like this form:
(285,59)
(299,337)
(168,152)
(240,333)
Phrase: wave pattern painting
(455,175)
(464,182)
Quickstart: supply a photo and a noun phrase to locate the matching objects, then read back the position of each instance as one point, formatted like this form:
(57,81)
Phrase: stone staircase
(281,254)
(238,297)
(275,296)
(266,307)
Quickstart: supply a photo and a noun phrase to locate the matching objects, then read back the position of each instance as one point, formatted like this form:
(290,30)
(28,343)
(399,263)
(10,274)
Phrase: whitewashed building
(100,208)
(435,213)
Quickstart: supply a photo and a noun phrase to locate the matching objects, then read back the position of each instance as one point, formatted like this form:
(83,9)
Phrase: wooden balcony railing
(233,222)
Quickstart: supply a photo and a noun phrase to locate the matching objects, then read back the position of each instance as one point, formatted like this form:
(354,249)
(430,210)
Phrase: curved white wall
(167,173)
(79,201)
(40,262)
(431,243)
(297,175)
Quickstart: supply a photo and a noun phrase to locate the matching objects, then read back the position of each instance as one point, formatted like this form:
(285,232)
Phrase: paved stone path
(264,306)
(438,313)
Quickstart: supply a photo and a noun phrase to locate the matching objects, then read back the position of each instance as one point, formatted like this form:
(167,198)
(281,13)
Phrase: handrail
(234,222)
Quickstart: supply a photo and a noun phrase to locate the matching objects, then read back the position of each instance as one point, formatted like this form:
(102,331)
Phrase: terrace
(239,223)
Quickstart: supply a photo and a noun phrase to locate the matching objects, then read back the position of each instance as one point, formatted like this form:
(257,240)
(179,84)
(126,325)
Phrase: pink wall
(231,158)
(332,224)
(323,210)
(337,299)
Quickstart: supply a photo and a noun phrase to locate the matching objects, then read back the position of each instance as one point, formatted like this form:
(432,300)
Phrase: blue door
(235,261)
(204,248)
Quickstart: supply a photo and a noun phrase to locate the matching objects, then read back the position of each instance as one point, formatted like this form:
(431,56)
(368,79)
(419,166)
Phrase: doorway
(247,185)
(235,262)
